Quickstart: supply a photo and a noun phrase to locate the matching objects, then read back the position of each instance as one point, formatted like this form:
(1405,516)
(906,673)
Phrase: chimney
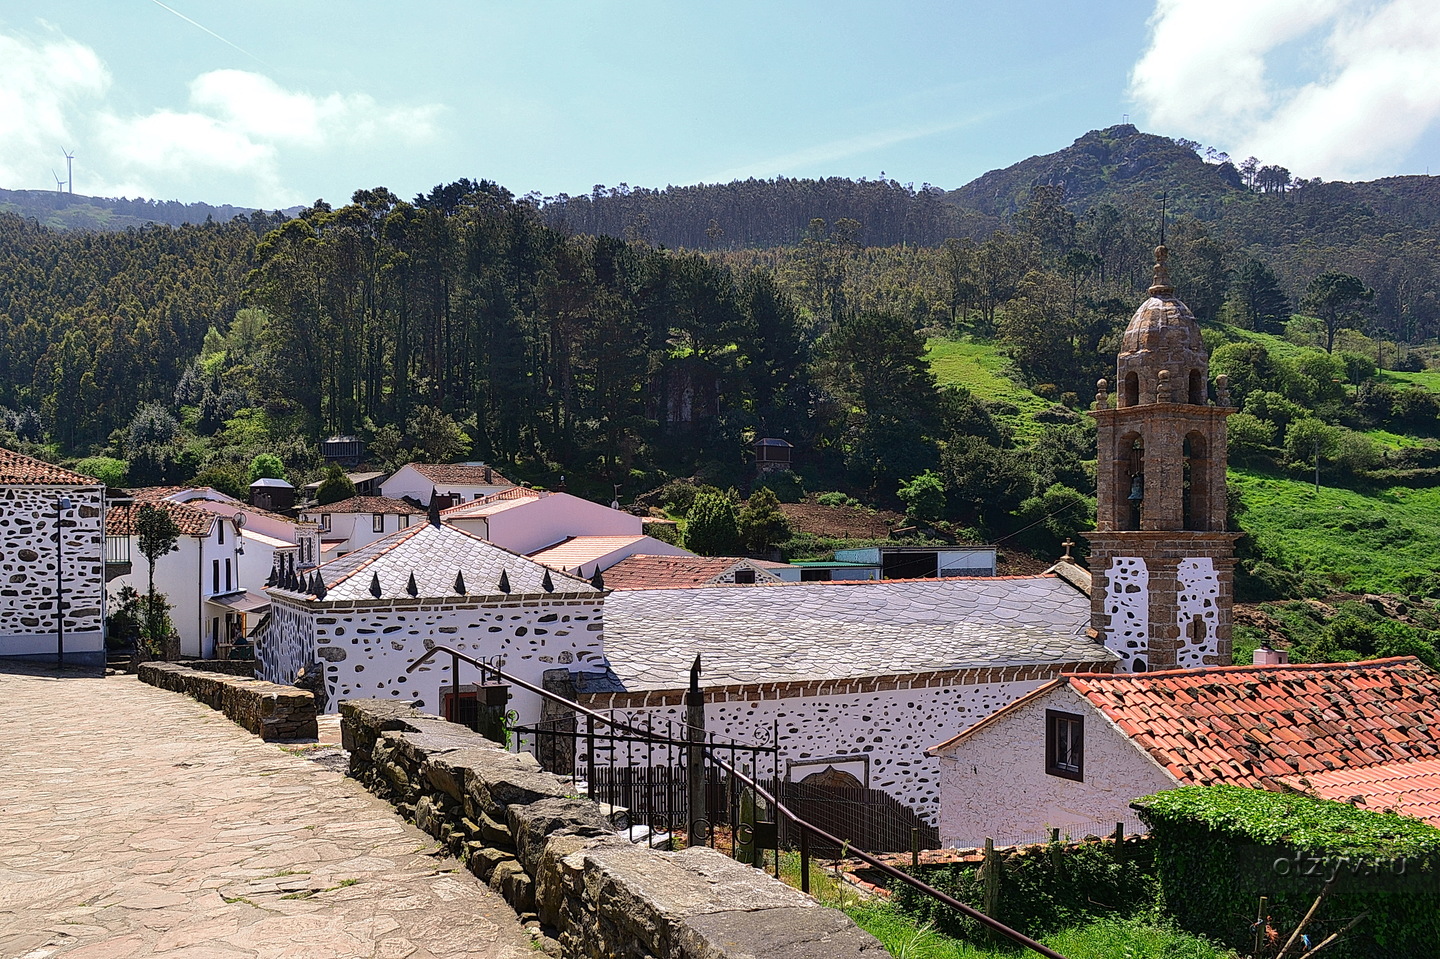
(1267,656)
(489,476)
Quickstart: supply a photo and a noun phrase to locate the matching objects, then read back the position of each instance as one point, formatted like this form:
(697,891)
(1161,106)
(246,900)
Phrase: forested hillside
(947,380)
(73,211)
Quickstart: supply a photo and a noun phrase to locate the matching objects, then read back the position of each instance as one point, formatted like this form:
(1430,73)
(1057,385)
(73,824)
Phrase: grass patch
(1385,541)
(980,367)
(1425,379)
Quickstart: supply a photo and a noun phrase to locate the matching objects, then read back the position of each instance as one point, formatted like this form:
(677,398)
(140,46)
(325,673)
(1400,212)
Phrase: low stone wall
(558,862)
(230,667)
(269,711)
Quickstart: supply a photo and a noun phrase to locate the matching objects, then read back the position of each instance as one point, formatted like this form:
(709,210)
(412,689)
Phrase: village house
(212,611)
(645,571)
(563,532)
(52,559)
(1076,751)
(456,483)
(364,617)
(350,524)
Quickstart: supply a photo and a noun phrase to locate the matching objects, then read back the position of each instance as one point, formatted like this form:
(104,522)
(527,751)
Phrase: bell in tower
(1161,558)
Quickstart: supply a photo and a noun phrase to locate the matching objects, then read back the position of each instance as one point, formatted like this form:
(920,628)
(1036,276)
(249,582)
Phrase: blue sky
(276,102)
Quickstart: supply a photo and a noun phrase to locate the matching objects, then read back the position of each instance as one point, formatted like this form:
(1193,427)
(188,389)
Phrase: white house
(52,595)
(379,608)
(201,578)
(564,532)
(358,521)
(459,482)
(1075,752)
(262,532)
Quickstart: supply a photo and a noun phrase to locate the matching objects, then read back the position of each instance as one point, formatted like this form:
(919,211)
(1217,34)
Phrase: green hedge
(1043,889)
(1218,849)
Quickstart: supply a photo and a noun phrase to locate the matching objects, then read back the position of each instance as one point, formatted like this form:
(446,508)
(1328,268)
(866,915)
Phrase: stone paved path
(137,822)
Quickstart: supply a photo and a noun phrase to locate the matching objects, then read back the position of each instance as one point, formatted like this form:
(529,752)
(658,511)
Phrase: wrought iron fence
(708,787)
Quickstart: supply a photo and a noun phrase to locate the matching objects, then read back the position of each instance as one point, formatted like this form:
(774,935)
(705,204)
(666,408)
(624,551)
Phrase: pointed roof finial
(411,588)
(434,510)
(317,588)
(460,582)
(597,580)
(547,584)
(504,585)
(375,584)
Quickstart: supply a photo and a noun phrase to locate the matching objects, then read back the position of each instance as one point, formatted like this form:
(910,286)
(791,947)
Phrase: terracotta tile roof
(1251,725)
(818,631)
(584,550)
(433,555)
(460,474)
(366,504)
(17,469)
(152,494)
(494,503)
(644,571)
(1410,788)
(192,520)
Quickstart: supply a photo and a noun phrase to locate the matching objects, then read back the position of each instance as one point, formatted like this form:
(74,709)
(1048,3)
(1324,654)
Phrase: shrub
(924,497)
(106,469)
(760,524)
(836,499)
(785,484)
(1218,849)
(336,486)
(1249,435)
(266,466)
(711,526)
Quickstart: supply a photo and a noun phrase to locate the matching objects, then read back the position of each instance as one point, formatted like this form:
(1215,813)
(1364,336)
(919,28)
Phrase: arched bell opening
(1196,498)
(1130,392)
(1129,481)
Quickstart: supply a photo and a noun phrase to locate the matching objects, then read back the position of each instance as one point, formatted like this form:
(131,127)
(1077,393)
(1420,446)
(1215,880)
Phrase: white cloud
(238,128)
(1369,89)
(43,82)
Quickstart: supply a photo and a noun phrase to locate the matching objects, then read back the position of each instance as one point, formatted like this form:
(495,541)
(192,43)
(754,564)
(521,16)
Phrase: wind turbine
(58,182)
(69,169)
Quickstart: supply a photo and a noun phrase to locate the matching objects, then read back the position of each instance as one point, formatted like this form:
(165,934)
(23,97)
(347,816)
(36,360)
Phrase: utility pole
(697,819)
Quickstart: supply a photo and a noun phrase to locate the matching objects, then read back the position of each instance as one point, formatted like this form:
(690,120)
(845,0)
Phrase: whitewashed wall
(893,727)
(993,783)
(366,647)
(28,579)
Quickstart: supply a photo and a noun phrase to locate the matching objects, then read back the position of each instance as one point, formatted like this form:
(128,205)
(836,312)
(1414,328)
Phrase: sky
(274,103)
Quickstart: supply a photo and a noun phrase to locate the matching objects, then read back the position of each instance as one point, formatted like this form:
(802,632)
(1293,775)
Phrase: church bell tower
(1161,559)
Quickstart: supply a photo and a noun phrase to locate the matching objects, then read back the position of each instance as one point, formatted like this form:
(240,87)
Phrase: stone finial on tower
(1222,390)
(1102,394)
(1163,393)
(1160,284)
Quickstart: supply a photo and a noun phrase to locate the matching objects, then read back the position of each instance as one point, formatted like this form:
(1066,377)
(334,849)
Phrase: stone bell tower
(1161,559)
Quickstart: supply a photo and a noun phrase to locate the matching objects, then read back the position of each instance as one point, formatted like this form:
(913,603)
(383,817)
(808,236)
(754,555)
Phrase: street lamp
(61,503)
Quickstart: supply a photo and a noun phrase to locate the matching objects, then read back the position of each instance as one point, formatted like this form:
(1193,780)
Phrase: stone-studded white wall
(1127,603)
(993,783)
(892,727)
(28,581)
(1198,597)
(365,648)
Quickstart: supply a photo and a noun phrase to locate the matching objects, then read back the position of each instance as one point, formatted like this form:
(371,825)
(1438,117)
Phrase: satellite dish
(239,520)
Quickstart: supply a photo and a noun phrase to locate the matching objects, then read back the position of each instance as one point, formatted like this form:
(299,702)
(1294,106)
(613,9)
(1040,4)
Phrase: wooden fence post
(991,870)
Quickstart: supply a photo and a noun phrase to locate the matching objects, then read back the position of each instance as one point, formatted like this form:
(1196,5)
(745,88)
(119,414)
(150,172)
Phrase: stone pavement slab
(138,822)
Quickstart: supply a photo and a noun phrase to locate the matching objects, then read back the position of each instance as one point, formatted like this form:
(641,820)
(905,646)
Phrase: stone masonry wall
(558,862)
(269,711)
(28,580)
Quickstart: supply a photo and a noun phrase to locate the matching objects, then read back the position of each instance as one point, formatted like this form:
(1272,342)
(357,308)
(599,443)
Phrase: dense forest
(921,354)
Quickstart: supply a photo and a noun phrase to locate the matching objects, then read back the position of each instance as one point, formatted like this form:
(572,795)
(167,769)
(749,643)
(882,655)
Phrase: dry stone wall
(28,571)
(588,893)
(270,711)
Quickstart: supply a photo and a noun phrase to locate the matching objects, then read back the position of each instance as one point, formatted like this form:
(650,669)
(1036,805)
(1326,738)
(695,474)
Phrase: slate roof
(1410,788)
(434,554)
(818,631)
(460,474)
(1252,725)
(644,571)
(16,469)
(192,520)
(367,504)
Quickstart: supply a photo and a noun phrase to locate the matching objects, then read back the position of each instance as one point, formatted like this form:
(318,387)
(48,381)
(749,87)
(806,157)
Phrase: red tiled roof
(459,474)
(152,494)
(1410,788)
(1253,725)
(366,504)
(192,520)
(17,469)
(645,571)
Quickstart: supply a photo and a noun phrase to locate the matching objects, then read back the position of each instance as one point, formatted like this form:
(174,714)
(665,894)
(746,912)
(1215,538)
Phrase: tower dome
(1162,355)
